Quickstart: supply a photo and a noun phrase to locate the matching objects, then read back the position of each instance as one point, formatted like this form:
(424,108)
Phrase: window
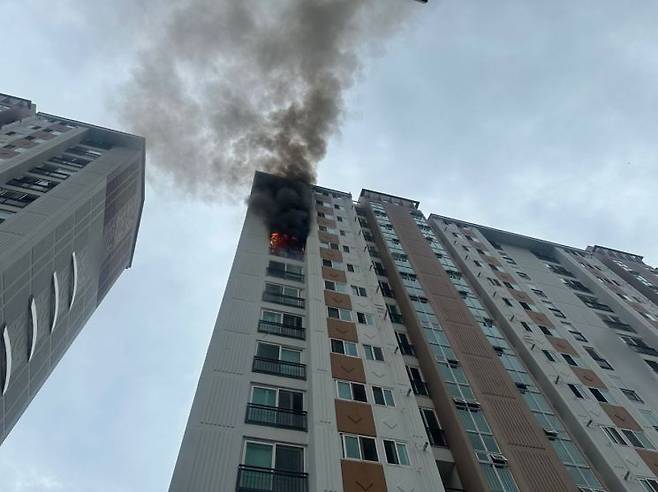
(344,347)
(352,268)
(5,214)
(339,313)
(383,396)
(649,484)
(614,436)
(16,198)
(335,286)
(339,218)
(604,364)
(523,275)
(285,270)
(559,270)
(477,263)
(278,318)
(507,301)
(346,249)
(373,353)
(493,282)
(557,312)
(283,294)
(358,291)
(569,360)
(396,453)
(549,355)
(351,391)
(494,267)
(33,183)
(578,336)
(53,171)
(526,326)
(639,345)
(546,331)
(650,418)
(277,397)
(577,390)
(631,395)
(365,318)
(652,364)
(325,245)
(271,351)
(68,160)
(359,447)
(274,456)
(539,292)
(602,395)
(333,264)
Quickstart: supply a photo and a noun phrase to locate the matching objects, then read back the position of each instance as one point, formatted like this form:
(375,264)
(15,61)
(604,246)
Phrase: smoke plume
(226,87)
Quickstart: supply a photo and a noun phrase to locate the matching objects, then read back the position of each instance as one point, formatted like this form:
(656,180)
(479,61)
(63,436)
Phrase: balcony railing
(257,479)
(599,306)
(281,329)
(279,367)
(281,273)
(396,318)
(283,299)
(419,387)
(275,417)
(436,437)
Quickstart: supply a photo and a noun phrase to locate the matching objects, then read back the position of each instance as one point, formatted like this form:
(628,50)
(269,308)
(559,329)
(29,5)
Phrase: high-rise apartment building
(71,196)
(399,352)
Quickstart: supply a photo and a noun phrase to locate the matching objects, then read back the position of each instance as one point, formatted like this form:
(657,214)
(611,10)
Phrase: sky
(530,116)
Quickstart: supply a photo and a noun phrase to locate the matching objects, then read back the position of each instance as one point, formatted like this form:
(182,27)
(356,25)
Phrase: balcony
(293,254)
(283,299)
(281,329)
(419,387)
(275,417)
(436,437)
(599,306)
(256,479)
(279,368)
(281,273)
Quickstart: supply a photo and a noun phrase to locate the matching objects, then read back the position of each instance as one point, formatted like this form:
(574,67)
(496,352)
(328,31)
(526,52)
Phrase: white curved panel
(35,327)
(56,306)
(74,262)
(5,336)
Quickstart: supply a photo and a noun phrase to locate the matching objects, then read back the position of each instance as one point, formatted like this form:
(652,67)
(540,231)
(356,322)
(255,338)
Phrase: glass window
(344,347)
(258,454)
(344,390)
(351,446)
(373,353)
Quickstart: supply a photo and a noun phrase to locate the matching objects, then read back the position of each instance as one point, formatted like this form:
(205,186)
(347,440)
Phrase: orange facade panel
(331,254)
(337,300)
(347,368)
(343,330)
(361,476)
(588,377)
(621,417)
(355,418)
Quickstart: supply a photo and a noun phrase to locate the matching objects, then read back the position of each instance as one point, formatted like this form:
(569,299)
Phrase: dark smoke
(226,87)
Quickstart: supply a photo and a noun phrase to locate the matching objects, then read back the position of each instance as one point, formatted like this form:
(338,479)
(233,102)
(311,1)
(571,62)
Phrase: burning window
(286,245)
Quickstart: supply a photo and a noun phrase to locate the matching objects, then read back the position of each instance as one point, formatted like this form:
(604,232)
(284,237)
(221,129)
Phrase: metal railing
(275,417)
(281,329)
(279,367)
(291,253)
(277,298)
(281,273)
(257,479)
(642,349)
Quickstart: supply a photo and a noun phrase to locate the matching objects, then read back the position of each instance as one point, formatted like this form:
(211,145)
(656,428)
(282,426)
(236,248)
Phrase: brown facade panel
(518,433)
(326,237)
(621,417)
(355,418)
(333,274)
(343,330)
(539,318)
(347,368)
(336,299)
(361,476)
(505,277)
(561,345)
(331,254)
(43,135)
(326,222)
(650,458)
(488,380)
(588,377)
(8,153)
(491,259)
(521,296)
